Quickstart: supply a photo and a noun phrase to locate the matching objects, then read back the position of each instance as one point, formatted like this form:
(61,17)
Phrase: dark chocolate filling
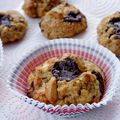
(66,70)
(73,17)
(5,20)
(100,79)
(115,23)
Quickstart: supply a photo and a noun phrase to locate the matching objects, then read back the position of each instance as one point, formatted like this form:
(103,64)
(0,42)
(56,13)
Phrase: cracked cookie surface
(12,26)
(109,33)
(50,83)
(63,21)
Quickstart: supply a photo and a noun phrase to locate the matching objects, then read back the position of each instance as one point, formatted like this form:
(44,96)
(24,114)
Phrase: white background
(9,4)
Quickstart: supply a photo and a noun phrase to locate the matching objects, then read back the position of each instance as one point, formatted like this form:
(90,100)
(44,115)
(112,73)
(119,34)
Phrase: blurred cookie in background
(12,26)
(109,33)
(38,8)
(63,21)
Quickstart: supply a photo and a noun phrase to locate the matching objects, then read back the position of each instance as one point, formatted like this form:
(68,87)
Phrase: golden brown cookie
(109,33)
(66,80)
(12,26)
(38,8)
(63,21)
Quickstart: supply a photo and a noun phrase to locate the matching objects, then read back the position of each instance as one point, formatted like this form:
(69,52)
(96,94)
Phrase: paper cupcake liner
(92,52)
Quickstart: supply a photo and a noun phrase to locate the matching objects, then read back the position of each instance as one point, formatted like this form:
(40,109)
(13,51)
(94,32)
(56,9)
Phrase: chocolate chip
(5,20)
(73,17)
(118,31)
(66,70)
(31,88)
(42,30)
(100,79)
(93,96)
(115,23)
(32,85)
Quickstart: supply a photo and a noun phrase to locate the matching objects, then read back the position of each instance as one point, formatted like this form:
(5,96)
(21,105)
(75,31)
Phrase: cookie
(38,8)
(63,21)
(66,80)
(12,26)
(109,33)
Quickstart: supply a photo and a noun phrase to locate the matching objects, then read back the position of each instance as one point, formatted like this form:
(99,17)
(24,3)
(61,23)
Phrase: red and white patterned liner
(88,51)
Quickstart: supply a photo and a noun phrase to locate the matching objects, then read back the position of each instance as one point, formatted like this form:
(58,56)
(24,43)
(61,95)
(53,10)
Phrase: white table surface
(11,108)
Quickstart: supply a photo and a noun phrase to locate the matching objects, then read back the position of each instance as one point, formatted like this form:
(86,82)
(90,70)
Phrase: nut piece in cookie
(109,33)
(90,90)
(12,26)
(51,90)
(38,8)
(63,21)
